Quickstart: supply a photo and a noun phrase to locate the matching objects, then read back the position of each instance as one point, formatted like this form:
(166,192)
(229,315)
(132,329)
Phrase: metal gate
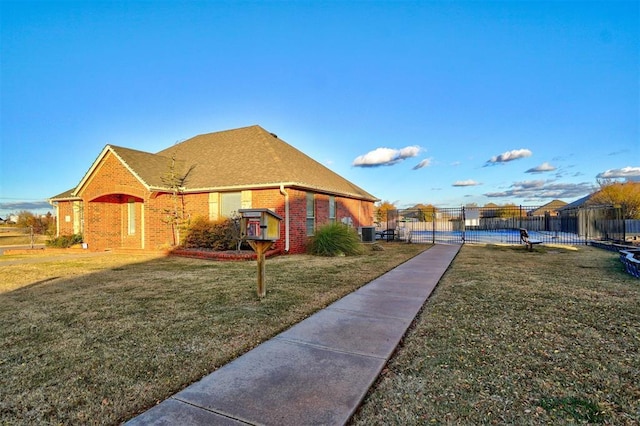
(502,225)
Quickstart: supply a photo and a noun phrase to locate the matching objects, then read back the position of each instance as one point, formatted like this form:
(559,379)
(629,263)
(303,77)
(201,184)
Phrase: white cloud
(25,205)
(544,167)
(468,182)
(386,156)
(529,184)
(631,173)
(539,190)
(514,154)
(424,163)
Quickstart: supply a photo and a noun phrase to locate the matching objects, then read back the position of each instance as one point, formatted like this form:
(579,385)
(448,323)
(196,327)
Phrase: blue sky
(447,103)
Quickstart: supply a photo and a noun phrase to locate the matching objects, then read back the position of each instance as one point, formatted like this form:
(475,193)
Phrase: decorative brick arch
(116,197)
(115,221)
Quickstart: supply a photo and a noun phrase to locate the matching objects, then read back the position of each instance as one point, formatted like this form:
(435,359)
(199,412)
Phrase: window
(311,213)
(131,216)
(77,217)
(332,209)
(230,203)
(225,204)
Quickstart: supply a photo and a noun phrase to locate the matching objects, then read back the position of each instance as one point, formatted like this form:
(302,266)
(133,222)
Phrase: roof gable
(245,158)
(552,206)
(252,157)
(150,169)
(142,165)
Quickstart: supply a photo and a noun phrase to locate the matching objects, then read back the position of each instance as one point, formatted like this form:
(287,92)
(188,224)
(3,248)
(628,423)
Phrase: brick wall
(272,199)
(105,196)
(298,221)
(103,222)
(159,231)
(64,216)
(111,186)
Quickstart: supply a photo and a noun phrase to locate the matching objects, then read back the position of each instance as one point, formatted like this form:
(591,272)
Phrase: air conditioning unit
(367,234)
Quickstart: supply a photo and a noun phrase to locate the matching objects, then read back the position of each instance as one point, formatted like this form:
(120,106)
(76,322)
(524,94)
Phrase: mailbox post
(261,228)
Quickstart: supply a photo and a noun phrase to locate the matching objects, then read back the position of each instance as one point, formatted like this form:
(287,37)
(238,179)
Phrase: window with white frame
(77,217)
(131,217)
(230,203)
(311,213)
(332,209)
(225,204)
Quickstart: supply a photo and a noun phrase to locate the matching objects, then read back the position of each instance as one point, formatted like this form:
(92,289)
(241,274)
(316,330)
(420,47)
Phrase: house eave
(56,200)
(274,185)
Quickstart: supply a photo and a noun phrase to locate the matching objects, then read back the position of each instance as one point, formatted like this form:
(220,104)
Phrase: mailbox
(260,224)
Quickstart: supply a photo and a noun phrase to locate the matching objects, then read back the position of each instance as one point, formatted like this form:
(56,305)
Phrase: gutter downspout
(286,218)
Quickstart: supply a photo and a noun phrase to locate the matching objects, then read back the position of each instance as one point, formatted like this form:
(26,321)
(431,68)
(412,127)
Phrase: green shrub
(212,234)
(64,241)
(335,239)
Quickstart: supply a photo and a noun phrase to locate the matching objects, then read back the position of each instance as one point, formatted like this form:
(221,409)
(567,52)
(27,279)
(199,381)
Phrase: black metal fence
(503,224)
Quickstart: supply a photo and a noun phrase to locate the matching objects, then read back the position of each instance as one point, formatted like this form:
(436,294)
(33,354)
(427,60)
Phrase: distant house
(125,199)
(489,210)
(593,220)
(552,208)
(579,203)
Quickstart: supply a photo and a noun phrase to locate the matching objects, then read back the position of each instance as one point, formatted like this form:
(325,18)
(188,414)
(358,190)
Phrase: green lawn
(508,337)
(516,337)
(96,340)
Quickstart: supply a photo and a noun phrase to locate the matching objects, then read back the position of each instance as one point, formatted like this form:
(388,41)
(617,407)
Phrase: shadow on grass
(120,337)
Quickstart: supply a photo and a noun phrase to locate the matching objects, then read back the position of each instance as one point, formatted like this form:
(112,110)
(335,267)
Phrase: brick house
(125,199)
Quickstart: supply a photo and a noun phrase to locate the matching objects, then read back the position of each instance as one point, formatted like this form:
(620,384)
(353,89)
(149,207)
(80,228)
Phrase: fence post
(624,226)
(464,226)
(433,226)
(520,217)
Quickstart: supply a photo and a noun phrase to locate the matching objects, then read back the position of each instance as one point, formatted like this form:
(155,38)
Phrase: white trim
(107,149)
(276,185)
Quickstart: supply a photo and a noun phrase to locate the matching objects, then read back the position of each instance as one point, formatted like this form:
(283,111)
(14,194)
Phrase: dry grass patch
(103,343)
(20,238)
(517,337)
(41,267)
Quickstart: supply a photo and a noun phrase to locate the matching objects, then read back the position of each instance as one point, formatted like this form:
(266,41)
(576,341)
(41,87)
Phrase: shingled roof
(251,157)
(245,158)
(66,195)
(551,207)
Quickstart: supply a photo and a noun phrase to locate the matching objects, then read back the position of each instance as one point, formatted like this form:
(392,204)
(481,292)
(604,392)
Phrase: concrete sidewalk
(318,371)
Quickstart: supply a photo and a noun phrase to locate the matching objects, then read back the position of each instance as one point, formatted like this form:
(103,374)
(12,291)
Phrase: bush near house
(216,235)
(64,241)
(335,239)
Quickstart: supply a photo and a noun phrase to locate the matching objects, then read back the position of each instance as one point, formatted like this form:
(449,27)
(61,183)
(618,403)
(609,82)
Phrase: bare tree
(176,215)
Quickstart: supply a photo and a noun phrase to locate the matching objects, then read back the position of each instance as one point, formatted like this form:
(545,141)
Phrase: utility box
(368,234)
(259,224)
